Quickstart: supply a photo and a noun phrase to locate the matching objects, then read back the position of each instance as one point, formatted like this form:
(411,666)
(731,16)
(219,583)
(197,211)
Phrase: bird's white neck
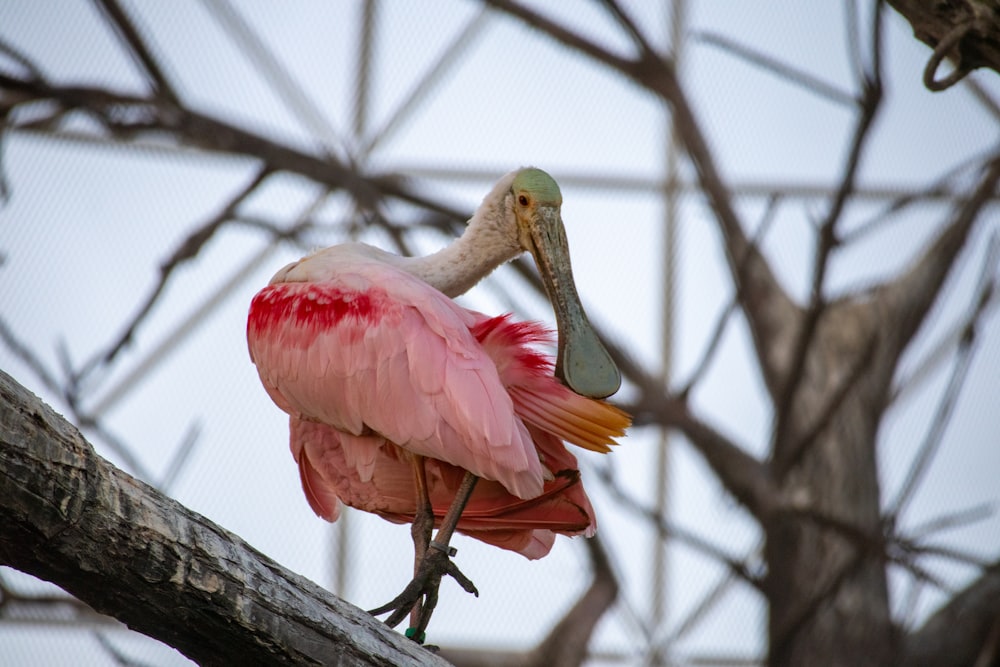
(457,267)
(489,240)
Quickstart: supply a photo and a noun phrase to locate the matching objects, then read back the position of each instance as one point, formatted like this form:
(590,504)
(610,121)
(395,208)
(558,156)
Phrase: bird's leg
(423,524)
(435,564)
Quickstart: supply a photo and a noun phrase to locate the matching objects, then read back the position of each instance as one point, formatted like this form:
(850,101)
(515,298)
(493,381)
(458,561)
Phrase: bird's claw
(425,583)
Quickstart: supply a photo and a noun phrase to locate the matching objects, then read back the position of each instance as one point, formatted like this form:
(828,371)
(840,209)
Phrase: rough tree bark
(965,31)
(70,517)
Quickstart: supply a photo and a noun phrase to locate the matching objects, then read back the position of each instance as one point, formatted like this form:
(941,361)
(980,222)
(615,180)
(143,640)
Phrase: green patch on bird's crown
(542,187)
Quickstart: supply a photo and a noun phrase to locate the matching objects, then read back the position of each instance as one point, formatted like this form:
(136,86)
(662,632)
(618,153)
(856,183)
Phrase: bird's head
(535,202)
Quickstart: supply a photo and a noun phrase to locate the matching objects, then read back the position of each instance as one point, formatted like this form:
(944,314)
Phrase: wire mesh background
(452,95)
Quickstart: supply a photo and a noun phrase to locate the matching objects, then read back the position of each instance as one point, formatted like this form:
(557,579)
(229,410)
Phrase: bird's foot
(422,591)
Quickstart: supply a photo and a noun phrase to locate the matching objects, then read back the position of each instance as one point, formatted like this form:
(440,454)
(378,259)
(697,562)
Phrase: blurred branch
(776,67)
(187,250)
(795,449)
(794,373)
(561,34)
(952,520)
(698,612)
(15,605)
(794,619)
(964,352)
(122,25)
(957,633)
(127,117)
(67,391)
(943,186)
(708,353)
(567,643)
(269,66)
(116,653)
(883,547)
(910,296)
(28,358)
(743,476)
(668,530)
(70,517)
(450,57)
(626,22)
(767,307)
(181,456)
(983,97)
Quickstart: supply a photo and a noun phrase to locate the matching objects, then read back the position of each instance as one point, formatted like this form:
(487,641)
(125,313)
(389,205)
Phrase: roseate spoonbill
(400,400)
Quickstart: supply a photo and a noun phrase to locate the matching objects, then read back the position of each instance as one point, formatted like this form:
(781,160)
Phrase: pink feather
(374,366)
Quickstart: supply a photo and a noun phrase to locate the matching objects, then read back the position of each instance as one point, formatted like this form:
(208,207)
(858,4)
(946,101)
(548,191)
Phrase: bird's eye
(522,200)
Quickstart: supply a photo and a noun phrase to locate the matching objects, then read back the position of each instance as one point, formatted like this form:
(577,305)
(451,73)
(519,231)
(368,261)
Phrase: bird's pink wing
(492,515)
(551,413)
(374,351)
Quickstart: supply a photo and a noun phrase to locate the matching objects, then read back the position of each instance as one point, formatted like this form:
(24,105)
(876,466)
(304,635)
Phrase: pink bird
(404,404)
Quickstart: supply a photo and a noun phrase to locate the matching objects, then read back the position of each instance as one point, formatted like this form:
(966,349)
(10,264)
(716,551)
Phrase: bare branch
(966,31)
(128,116)
(963,360)
(561,34)
(181,457)
(708,353)
(892,548)
(956,633)
(567,643)
(28,358)
(72,518)
(780,69)
(942,186)
(826,241)
(909,297)
(123,26)
(30,68)
(68,393)
(186,251)
(626,22)
(767,307)
(668,530)
(794,619)
(952,520)
(746,478)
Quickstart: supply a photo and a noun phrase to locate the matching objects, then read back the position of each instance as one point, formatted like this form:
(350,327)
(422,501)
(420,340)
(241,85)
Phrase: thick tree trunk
(826,579)
(70,517)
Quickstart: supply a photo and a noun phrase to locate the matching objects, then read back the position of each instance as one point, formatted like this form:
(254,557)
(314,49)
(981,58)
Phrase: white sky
(87,226)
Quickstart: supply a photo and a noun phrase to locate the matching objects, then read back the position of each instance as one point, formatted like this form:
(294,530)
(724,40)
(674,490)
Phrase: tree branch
(119,21)
(186,251)
(912,294)
(795,372)
(70,517)
(745,477)
(567,643)
(128,116)
(767,307)
(967,31)
(957,633)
